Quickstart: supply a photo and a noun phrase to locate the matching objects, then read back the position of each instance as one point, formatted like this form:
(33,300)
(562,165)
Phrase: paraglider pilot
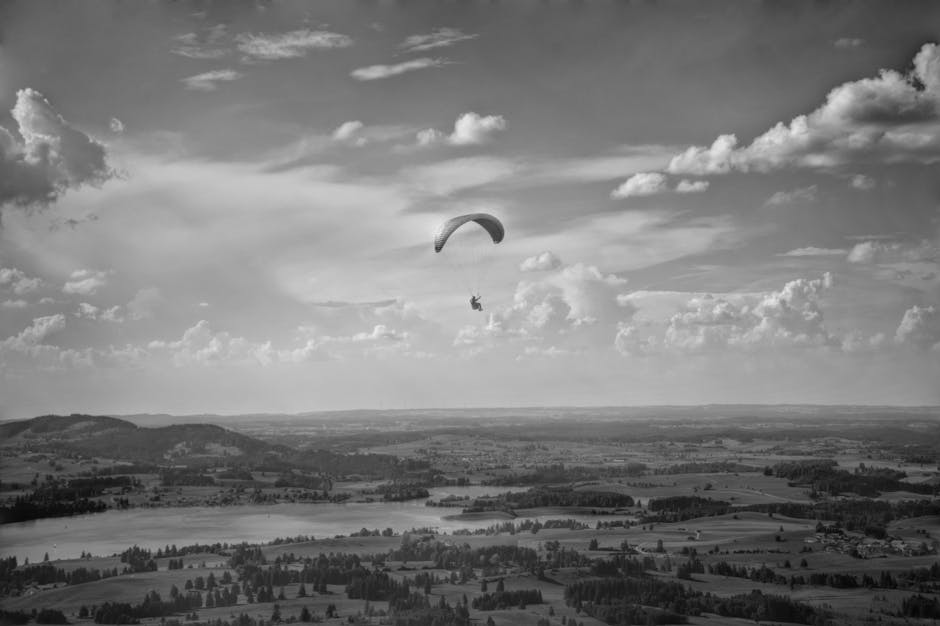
(475,303)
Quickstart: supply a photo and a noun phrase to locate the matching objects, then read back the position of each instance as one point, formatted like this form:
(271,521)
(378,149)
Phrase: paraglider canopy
(489,223)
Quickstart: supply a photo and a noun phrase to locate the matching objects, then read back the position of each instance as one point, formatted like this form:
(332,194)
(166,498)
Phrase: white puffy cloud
(891,118)
(85,282)
(347,131)
(208,81)
(631,340)
(439,38)
(91,312)
(200,345)
(378,72)
(692,186)
(116,125)
(540,263)
(790,317)
(32,338)
(801,195)
(920,328)
(574,308)
(469,129)
(894,252)
(17,282)
(290,45)
(862,182)
(48,157)
(641,184)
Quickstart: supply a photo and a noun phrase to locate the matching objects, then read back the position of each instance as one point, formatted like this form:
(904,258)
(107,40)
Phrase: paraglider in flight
(468,249)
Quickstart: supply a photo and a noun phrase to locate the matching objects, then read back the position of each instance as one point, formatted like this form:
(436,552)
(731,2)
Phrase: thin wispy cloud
(814,251)
(290,45)
(440,38)
(378,72)
(206,46)
(802,195)
(208,81)
(848,42)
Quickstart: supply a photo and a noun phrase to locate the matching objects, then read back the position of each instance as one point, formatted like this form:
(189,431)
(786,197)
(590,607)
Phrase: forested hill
(92,435)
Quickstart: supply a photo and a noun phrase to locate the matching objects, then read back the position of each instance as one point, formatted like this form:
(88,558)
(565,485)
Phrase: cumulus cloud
(641,184)
(290,45)
(31,339)
(920,328)
(347,131)
(891,118)
(378,72)
(116,125)
(470,129)
(814,251)
(85,282)
(894,252)
(574,308)
(91,312)
(540,263)
(862,182)
(48,156)
(801,195)
(630,340)
(208,81)
(692,186)
(439,38)
(17,282)
(200,345)
(788,318)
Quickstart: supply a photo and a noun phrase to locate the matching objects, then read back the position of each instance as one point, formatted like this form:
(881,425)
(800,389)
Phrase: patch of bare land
(706,515)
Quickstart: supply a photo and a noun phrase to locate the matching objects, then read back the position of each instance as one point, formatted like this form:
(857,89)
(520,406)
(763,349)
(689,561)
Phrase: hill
(109,437)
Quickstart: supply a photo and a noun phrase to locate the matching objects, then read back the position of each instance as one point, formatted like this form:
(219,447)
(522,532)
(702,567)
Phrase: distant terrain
(716,514)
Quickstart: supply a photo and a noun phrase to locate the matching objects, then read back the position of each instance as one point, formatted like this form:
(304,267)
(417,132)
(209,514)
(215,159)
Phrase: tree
(500,587)
(302,591)
(305,615)
(276,614)
(592,544)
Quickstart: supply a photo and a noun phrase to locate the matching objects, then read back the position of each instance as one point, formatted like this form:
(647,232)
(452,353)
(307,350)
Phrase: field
(846,527)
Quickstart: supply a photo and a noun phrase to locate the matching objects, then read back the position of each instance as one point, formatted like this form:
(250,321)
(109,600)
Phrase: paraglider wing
(492,225)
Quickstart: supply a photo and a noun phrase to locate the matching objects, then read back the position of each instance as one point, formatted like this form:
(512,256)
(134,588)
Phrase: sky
(230,207)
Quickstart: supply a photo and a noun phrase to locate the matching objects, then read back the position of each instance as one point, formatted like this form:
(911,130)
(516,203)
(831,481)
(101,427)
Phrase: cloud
(377,72)
(630,341)
(144,303)
(692,186)
(920,328)
(49,156)
(574,308)
(470,129)
(894,252)
(202,346)
(208,81)
(848,42)
(17,281)
(116,125)
(801,195)
(642,184)
(91,312)
(788,318)
(290,45)
(862,182)
(540,263)
(440,38)
(205,46)
(813,251)
(891,118)
(85,282)
(347,131)
(30,339)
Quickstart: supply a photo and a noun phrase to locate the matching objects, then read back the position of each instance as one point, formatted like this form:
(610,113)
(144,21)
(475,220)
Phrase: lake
(113,531)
